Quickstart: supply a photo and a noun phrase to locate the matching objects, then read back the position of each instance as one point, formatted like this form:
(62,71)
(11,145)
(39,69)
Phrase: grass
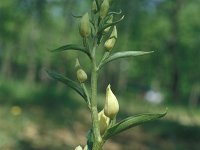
(35,117)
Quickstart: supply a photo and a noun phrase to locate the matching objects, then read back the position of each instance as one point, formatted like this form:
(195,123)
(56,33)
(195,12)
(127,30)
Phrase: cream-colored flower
(109,44)
(81,75)
(111,107)
(79,148)
(104,9)
(86,147)
(110,20)
(84,27)
(103,121)
(114,33)
(94,6)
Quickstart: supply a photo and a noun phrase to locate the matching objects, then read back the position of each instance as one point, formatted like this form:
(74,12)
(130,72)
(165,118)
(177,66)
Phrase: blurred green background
(38,113)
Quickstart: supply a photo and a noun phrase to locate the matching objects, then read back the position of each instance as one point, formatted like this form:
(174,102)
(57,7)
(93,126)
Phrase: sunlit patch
(16,110)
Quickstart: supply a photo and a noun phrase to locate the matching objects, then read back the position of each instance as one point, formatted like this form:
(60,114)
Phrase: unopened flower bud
(104,9)
(114,32)
(109,44)
(94,6)
(84,27)
(110,20)
(81,75)
(103,121)
(79,148)
(86,147)
(111,107)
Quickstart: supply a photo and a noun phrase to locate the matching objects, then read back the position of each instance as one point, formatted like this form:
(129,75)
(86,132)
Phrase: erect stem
(94,111)
(97,145)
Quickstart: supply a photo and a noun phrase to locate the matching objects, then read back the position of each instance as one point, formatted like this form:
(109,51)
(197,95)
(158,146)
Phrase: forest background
(38,113)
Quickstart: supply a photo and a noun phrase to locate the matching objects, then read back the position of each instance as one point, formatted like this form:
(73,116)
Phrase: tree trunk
(6,70)
(173,46)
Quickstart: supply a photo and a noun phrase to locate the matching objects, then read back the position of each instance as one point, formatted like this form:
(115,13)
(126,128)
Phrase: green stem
(98,143)
(94,111)
(105,56)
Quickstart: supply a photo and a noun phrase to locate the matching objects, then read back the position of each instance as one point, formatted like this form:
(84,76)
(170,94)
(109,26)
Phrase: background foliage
(30,28)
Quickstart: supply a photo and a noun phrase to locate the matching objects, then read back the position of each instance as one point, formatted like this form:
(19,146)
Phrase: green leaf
(76,16)
(90,139)
(124,54)
(98,5)
(115,13)
(71,47)
(131,122)
(74,85)
(110,24)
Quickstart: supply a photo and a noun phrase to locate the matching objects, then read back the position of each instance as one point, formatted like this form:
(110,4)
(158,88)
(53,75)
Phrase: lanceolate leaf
(75,86)
(98,5)
(111,24)
(76,16)
(119,55)
(71,47)
(131,122)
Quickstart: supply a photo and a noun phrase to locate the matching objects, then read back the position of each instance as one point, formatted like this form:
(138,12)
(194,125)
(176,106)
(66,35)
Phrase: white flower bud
(109,44)
(86,147)
(81,75)
(110,20)
(114,33)
(103,121)
(84,27)
(104,9)
(94,6)
(111,107)
(79,148)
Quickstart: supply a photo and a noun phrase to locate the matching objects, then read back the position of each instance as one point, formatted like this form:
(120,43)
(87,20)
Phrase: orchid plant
(99,27)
